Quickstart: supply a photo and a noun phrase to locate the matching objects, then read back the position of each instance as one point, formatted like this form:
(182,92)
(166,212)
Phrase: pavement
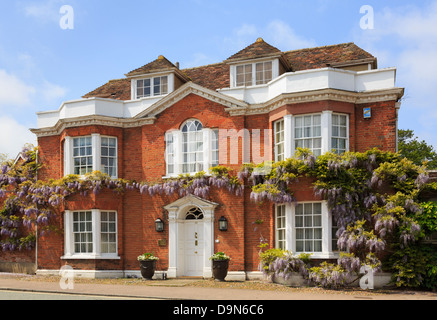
(179,289)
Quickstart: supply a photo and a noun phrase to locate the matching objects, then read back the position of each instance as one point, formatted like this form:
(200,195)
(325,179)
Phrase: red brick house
(161,121)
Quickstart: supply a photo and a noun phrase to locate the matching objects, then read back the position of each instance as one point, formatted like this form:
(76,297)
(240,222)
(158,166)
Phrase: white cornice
(320,95)
(63,124)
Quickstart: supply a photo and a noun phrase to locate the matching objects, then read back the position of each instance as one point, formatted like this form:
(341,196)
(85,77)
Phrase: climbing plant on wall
(373,197)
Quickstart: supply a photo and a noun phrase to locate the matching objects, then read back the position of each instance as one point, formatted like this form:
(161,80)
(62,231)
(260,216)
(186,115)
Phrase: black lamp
(159,225)
(223,224)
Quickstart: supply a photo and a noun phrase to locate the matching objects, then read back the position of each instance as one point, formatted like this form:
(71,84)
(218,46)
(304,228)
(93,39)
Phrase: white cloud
(51,93)
(14,91)
(406,37)
(284,36)
(14,136)
(278,33)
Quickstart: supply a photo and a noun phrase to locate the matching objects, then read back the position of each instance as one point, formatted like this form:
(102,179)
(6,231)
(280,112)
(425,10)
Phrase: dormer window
(254,74)
(152,87)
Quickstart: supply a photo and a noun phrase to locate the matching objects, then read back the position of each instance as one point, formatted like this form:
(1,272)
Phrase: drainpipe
(398,107)
(36,226)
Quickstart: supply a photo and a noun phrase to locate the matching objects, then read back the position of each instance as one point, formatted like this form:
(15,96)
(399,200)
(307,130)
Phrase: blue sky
(42,65)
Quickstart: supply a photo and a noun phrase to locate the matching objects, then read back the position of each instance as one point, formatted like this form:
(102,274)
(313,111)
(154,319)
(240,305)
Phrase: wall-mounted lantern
(223,224)
(159,225)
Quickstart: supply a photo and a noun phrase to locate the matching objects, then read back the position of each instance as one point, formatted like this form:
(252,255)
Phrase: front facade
(161,121)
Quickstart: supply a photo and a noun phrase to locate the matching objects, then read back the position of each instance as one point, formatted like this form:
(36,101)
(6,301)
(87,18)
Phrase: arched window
(194,214)
(191,149)
(192,146)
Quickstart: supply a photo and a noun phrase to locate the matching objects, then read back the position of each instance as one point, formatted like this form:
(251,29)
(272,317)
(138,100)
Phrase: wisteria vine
(372,196)
(29,203)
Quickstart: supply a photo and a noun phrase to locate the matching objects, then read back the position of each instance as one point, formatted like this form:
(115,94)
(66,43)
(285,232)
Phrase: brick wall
(379,131)
(141,158)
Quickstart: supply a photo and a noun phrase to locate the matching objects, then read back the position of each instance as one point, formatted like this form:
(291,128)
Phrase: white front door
(191,237)
(193,248)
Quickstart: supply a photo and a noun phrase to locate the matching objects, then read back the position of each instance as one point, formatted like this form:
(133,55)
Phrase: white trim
(68,155)
(288,136)
(178,151)
(207,149)
(326,252)
(176,212)
(253,63)
(152,77)
(96,232)
(96,151)
(96,145)
(326,131)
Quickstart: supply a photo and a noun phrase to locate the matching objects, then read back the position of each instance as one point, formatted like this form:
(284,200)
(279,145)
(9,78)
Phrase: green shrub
(415,266)
(269,256)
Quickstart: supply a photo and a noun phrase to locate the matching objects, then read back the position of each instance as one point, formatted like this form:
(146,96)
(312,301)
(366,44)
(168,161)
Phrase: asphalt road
(26,295)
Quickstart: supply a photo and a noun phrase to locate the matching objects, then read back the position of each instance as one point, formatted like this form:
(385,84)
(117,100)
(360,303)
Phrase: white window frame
(253,63)
(152,87)
(281,226)
(69,251)
(312,136)
(290,234)
(176,152)
(326,134)
(279,140)
(96,153)
(339,137)
(187,143)
(152,77)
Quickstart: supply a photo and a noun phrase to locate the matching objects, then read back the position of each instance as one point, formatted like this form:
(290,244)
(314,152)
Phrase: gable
(184,91)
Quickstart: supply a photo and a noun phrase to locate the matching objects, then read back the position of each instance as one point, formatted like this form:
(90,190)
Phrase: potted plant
(147,265)
(220,264)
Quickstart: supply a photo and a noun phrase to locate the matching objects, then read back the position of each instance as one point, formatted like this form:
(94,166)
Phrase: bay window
(305,228)
(86,154)
(308,133)
(82,155)
(339,133)
(281,227)
(319,132)
(308,227)
(90,234)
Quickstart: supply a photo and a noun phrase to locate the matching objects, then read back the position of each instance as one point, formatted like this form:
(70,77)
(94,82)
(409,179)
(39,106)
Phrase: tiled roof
(216,76)
(321,57)
(119,89)
(259,49)
(160,64)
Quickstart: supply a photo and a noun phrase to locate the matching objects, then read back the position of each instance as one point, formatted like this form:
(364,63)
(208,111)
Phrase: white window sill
(90,257)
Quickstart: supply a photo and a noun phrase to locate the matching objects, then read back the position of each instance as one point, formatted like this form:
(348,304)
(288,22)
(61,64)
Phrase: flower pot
(148,268)
(220,269)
